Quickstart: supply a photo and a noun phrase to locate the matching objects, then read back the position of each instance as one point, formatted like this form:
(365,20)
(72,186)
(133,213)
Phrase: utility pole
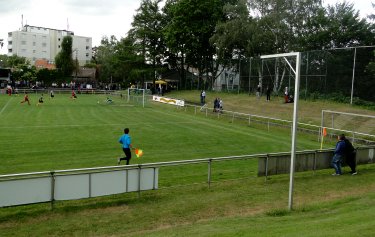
(76,51)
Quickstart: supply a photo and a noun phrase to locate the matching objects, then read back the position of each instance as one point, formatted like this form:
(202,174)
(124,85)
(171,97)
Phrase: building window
(34,51)
(23,42)
(34,43)
(10,34)
(44,45)
(10,42)
(23,50)
(87,40)
(87,47)
(87,55)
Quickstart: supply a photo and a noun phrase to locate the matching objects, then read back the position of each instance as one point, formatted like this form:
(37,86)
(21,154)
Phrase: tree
(104,58)
(14,61)
(130,66)
(372,16)
(191,23)
(64,60)
(148,37)
(46,76)
(337,26)
(346,27)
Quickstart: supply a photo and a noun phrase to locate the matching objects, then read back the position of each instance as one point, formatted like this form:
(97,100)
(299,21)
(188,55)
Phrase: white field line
(6,105)
(91,125)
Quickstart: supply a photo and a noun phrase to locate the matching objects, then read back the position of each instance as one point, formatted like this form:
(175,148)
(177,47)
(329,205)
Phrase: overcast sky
(90,18)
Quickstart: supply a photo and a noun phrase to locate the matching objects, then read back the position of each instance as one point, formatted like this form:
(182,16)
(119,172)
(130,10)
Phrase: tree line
(208,35)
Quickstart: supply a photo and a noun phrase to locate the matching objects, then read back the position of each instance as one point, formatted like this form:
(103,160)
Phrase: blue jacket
(125,140)
(340,148)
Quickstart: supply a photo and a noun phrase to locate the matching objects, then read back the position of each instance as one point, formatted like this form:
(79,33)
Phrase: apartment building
(40,43)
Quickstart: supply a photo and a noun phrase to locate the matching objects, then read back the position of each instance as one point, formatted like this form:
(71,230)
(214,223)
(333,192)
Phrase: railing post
(52,188)
(266,173)
(139,180)
(209,173)
(353,140)
(314,164)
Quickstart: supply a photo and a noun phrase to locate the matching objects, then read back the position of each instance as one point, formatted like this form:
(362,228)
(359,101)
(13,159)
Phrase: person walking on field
(350,156)
(338,155)
(125,140)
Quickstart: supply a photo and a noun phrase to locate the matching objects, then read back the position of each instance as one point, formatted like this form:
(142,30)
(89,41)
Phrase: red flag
(138,152)
(324,132)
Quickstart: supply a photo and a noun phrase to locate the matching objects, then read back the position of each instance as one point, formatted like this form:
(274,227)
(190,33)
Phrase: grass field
(64,134)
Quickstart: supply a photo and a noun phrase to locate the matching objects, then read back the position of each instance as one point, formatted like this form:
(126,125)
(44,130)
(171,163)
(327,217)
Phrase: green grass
(65,134)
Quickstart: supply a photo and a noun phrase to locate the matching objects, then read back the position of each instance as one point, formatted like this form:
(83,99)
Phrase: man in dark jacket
(338,154)
(350,156)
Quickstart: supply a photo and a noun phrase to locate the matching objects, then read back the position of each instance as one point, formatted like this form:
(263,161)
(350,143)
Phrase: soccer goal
(136,96)
(351,124)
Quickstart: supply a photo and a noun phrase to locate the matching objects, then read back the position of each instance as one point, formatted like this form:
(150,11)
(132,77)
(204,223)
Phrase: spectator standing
(268,93)
(286,95)
(258,92)
(338,154)
(221,103)
(203,97)
(350,156)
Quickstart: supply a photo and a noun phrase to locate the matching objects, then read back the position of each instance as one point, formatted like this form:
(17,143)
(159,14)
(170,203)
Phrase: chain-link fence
(339,73)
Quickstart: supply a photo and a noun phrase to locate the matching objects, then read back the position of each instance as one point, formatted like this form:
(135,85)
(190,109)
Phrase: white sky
(90,18)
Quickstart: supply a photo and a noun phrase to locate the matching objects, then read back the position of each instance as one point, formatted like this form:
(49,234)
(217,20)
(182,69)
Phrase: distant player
(40,101)
(109,100)
(9,90)
(74,96)
(26,99)
(52,95)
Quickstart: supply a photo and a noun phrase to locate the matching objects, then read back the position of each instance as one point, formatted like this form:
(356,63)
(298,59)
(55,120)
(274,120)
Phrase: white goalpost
(297,72)
(136,95)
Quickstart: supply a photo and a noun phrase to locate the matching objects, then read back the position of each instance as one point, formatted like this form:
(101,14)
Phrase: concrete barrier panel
(25,191)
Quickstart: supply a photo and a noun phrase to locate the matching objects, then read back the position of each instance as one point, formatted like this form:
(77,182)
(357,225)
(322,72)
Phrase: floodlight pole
(295,117)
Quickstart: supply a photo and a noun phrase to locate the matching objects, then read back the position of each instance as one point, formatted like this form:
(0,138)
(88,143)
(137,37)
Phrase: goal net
(136,96)
(356,126)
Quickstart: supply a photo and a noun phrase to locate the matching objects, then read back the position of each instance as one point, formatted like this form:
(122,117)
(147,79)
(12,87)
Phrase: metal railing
(269,122)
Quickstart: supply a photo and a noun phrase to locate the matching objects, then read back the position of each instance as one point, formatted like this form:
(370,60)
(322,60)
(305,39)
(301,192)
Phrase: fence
(268,122)
(19,189)
(337,72)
